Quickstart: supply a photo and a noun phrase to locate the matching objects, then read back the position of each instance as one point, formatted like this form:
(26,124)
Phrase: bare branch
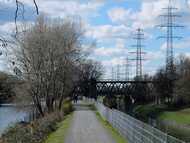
(16,15)
(37,9)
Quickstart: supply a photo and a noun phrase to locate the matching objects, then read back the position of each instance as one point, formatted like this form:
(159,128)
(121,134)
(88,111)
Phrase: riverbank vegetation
(59,135)
(7,86)
(38,130)
(50,58)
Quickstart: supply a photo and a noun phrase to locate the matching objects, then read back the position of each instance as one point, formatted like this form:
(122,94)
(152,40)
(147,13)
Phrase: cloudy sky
(111,23)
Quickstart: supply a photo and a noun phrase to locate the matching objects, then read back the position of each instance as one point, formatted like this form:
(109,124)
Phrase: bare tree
(20,4)
(46,55)
(182,86)
(90,71)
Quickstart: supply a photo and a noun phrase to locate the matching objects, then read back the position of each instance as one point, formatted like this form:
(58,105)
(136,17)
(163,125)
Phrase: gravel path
(85,128)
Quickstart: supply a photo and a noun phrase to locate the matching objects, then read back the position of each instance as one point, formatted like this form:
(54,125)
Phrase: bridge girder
(124,88)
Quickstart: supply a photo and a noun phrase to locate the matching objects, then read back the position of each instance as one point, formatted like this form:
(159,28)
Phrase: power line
(139,36)
(170,18)
(112,73)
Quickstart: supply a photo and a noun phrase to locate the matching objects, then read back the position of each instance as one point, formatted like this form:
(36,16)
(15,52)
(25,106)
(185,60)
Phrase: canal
(9,115)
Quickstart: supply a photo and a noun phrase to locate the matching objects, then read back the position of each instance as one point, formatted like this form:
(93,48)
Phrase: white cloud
(114,62)
(107,51)
(148,15)
(120,15)
(145,18)
(7,28)
(118,50)
(62,8)
(110,32)
(185,43)
(155,55)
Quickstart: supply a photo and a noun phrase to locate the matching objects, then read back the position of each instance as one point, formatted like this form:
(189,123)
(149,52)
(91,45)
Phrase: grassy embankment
(59,135)
(175,122)
(181,120)
(116,136)
(114,133)
(180,117)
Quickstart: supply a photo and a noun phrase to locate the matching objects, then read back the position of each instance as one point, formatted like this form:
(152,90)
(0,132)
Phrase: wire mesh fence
(133,130)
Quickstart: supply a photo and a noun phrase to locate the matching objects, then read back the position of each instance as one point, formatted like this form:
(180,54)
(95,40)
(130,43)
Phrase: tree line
(50,60)
(157,89)
(164,90)
(181,85)
(7,84)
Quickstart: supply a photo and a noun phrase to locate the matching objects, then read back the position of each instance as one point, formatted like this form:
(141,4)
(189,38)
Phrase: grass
(162,112)
(143,112)
(116,136)
(59,135)
(179,133)
(180,117)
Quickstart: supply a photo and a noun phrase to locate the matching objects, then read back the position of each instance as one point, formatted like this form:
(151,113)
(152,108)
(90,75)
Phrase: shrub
(38,130)
(67,107)
(110,102)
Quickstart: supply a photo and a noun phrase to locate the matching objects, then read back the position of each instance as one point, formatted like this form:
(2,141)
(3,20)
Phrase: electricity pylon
(127,69)
(118,72)
(170,24)
(139,36)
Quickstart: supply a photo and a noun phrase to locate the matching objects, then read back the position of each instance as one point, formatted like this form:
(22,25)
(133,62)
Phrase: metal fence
(132,129)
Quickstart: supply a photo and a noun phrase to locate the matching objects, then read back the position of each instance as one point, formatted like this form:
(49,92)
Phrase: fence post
(136,131)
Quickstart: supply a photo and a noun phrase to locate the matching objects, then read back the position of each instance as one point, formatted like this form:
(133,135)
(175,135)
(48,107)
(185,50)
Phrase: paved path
(85,128)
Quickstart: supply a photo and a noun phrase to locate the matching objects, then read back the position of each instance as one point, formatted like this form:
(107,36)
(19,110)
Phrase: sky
(112,24)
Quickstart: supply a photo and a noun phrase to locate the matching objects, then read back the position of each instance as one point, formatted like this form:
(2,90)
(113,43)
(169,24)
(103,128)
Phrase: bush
(34,132)
(110,102)
(67,107)
(38,130)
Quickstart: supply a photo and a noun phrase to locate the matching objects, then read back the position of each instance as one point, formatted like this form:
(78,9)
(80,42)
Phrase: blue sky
(111,23)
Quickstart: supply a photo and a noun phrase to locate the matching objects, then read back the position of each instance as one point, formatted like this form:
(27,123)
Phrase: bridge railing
(132,129)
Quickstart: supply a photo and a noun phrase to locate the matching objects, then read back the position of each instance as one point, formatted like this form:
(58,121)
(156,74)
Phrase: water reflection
(10,115)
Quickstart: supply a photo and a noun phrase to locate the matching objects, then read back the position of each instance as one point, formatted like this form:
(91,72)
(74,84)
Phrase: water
(9,116)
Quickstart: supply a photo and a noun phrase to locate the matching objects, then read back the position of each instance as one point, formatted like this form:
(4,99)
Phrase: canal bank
(9,115)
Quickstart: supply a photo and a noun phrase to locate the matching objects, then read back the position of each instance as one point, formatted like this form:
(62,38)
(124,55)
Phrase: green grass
(180,117)
(163,112)
(116,136)
(59,135)
(143,112)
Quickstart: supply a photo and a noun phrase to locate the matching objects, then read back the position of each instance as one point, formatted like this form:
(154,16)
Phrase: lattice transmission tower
(112,74)
(127,69)
(170,23)
(118,72)
(139,37)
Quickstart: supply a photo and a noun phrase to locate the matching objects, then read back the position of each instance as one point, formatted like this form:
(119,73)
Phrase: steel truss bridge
(136,89)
